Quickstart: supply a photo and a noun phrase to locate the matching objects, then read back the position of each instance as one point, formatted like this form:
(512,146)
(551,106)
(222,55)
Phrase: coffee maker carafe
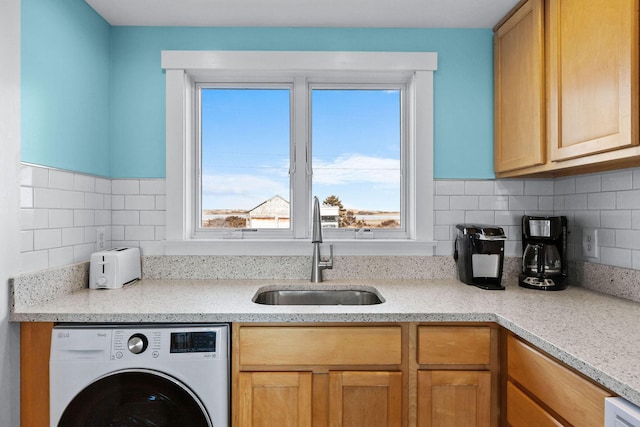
(544,257)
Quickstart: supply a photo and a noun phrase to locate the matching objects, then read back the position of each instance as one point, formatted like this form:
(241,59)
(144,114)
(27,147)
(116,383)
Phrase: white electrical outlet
(100,239)
(589,243)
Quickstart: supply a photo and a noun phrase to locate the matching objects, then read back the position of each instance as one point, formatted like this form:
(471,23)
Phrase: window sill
(298,247)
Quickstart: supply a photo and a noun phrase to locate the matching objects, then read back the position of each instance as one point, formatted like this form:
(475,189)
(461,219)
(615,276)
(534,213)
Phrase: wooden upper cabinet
(592,59)
(519,86)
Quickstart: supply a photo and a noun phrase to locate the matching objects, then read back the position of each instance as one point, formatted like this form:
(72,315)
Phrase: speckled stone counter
(597,334)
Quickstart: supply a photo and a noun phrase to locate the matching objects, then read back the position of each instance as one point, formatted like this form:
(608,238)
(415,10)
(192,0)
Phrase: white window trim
(184,68)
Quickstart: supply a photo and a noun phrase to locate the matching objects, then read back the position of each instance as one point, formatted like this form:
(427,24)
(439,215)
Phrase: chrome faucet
(317,265)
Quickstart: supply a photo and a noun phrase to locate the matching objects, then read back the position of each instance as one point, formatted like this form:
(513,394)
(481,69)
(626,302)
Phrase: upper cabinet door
(519,139)
(592,76)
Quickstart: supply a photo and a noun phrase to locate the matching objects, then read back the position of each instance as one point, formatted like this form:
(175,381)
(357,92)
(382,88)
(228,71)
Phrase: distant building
(273,213)
(330,216)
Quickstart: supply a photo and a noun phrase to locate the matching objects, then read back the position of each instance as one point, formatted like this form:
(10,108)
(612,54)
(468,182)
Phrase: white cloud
(240,191)
(357,168)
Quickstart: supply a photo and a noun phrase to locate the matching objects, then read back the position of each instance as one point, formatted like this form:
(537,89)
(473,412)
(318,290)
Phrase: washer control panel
(141,342)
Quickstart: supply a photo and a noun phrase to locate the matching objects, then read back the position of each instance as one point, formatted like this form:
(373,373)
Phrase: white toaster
(113,268)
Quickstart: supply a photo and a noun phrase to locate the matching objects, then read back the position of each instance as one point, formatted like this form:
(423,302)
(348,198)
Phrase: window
(252,136)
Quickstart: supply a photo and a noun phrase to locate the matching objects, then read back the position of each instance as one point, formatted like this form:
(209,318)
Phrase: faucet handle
(328,264)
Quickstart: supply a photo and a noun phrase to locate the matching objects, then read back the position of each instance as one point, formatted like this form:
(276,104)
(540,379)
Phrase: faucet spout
(317,264)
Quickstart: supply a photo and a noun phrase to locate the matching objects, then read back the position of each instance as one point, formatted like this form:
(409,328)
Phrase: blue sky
(355,145)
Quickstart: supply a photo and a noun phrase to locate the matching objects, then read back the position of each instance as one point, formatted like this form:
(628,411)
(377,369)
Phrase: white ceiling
(305,13)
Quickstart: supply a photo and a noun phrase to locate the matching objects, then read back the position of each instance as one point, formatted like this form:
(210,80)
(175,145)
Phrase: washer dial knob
(137,343)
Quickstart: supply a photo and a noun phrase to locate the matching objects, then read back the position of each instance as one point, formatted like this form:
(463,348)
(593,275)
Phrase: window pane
(245,136)
(356,137)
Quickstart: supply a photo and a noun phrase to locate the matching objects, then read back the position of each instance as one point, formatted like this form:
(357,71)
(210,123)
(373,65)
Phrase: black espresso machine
(479,255)
(544,253)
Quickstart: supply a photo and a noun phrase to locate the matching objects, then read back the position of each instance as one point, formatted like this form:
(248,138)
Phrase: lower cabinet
(306,375)
(542,389)
(454,398)
(365,375)
(458,375)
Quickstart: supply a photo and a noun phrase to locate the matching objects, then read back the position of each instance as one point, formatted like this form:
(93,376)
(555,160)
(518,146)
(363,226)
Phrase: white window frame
(184,69)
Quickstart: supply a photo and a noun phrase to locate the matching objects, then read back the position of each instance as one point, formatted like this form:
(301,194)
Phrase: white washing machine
(145,375)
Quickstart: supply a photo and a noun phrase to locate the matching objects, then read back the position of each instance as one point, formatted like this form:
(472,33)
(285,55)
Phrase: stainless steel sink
(318,297)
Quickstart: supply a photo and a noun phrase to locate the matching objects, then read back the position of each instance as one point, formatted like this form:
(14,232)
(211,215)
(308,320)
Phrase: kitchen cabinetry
(457,373)
(543,390)
(519,89)
(590,68)
(302,375)
(35,342)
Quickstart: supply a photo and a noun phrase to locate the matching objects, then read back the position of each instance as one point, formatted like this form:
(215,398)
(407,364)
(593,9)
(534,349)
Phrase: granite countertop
(597,334)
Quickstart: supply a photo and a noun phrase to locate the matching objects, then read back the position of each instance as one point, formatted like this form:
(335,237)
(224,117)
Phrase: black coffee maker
(544,253)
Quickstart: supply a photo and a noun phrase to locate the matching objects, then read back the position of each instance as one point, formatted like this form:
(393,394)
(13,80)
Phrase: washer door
(135,398)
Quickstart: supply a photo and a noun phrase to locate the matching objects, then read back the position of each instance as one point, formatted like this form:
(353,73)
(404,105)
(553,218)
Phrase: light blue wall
(65,87)
(463,86)
(93,95)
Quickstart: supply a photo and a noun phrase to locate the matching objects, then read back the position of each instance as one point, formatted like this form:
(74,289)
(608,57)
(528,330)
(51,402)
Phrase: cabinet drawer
(573,397)
(320,345)
(454,345)
(524,412)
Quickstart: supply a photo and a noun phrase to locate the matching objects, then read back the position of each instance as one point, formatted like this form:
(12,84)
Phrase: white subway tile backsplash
(152,186)
(628,199)
(60,218)
(601,201)
(480,217)
(139,232)
(575,202)
(26,241)
(628,239)
(139,202)
(72,236)
(59,224)
(466,203)
(34,218)
(60,179)
(46,198)
(125,217)
(61,256)
(538,188)
(441,203)
(72,199)
(479,188)
(26,197)
(523,203)
(125,186)
(496,203)
(617,181)
(152,218)
(615,256)
(509,187)
(588,183)
(449,187)
(103,186)
(564,186)
(84,183)
(615,219)
(47,238)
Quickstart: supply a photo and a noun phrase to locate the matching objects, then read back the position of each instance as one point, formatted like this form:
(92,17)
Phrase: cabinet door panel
(593,76)
(269,399)
(454,398)
(372,399)
(519,90)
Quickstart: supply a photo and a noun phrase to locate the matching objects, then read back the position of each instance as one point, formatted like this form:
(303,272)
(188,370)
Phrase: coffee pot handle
(541,258)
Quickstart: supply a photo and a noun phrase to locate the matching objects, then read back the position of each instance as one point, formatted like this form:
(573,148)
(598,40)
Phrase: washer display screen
(193,342)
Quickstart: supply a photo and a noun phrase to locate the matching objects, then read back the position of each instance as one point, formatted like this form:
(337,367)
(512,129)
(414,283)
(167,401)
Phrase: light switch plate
(590,243)
(100,239)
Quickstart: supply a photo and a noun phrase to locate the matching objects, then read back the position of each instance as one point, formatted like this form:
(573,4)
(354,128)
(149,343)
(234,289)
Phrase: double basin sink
(318,295)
